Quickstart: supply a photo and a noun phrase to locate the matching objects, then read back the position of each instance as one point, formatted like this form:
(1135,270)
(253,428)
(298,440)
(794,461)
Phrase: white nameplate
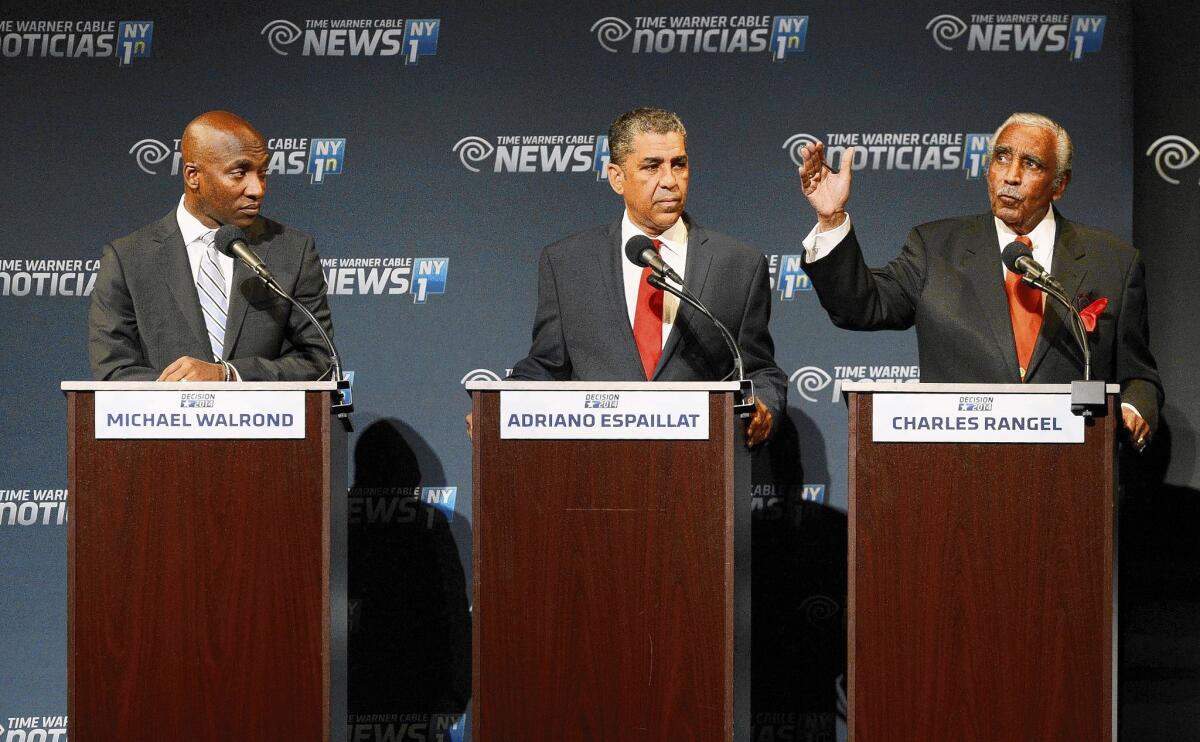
(200,414)
(975,418)
(667,415)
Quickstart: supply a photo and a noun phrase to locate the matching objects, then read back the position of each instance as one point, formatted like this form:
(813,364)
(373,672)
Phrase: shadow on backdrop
(410,625)
(799,588)
(1158,603)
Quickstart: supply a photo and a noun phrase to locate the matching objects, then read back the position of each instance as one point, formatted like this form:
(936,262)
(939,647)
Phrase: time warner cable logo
(356,37)
(811,380)
(1021,32)
(1172,152)
(906,150)
(125,40)
(317,158)
(536,153)
(781,35)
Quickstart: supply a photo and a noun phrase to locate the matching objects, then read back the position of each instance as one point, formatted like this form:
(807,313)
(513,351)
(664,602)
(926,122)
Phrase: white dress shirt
(673,251)
(193,230)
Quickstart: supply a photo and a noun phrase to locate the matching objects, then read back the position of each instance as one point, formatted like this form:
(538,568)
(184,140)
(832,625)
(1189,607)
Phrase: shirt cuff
(819,244)
(1133,409)
(233,372)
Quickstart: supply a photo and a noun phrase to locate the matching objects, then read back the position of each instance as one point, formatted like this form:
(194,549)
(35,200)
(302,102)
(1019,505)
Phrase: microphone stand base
(745,402)
(1087,398)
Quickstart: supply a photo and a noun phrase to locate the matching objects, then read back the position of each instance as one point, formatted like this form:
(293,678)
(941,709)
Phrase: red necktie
(647,322)
(1025,310)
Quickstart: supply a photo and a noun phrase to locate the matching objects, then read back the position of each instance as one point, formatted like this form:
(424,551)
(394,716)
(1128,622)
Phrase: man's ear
(1061,188)
(191,176)
(616,178)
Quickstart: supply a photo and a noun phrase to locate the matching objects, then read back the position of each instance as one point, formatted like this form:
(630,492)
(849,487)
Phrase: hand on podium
(1139,429)
(187,368)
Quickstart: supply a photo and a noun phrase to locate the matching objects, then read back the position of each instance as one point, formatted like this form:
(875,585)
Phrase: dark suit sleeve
(758,349)
(861,298)
(1140,383)
(304,356)
(547,359)
(114,346)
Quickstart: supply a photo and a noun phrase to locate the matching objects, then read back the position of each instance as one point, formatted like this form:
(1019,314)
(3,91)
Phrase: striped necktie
(210,286)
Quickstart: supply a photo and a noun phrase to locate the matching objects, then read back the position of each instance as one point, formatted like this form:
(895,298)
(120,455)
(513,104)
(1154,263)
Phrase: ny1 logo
(429,278)
(134,41)
(789,275)
(325,157)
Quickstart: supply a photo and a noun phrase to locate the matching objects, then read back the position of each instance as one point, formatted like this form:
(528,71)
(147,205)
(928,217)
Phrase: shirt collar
(1042,235)
(190,227)
(674,240)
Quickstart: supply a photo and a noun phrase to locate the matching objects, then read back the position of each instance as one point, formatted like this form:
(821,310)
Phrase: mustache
(1010,191)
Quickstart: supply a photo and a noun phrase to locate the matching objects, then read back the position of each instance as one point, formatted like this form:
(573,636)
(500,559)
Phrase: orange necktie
(1025,310)
(647,322)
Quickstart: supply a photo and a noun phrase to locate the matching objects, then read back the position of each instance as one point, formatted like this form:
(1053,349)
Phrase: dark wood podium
(207,593)
(981,579)
(611,579)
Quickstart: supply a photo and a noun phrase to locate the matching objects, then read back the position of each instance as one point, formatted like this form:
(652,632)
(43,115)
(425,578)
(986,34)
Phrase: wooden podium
(981,579)
(611,577)
(207,593)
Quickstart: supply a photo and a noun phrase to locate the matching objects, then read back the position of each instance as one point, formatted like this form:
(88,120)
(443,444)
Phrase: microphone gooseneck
(1018,258)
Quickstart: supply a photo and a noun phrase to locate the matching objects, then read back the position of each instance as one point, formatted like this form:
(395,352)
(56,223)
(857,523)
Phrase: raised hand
(827,191)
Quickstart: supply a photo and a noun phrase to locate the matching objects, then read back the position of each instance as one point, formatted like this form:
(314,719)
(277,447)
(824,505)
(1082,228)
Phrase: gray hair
(1064,150)
(640,121)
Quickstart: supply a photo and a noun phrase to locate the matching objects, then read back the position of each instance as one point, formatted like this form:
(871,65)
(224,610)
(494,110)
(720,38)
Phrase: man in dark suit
(975,323)
(598,320)
(167,306)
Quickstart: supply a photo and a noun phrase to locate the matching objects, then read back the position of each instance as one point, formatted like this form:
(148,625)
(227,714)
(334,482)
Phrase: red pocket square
(1091,312)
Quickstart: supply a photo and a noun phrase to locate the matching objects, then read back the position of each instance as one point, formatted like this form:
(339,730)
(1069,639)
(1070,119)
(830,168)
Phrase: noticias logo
(781,35)
(905,150)
(318,158)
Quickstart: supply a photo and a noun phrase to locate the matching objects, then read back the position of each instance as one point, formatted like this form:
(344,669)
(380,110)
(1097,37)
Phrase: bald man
(168,307)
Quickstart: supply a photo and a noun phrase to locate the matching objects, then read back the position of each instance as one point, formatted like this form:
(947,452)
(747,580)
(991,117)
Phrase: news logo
(1170,153)
(1020,32)
(392,275)
(91,39)
(134,41)
(325,157)
(409,39)
(779,36)
(429,278)
(392,505)
(788,276)
(535,153)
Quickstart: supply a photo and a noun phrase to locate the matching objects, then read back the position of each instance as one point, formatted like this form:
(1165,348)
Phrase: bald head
(224,169)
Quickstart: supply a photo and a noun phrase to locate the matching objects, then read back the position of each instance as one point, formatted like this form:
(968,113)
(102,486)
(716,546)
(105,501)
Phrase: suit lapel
(1068,267)
(699,258)
(177,273)
(238,302)
(609,268)
(981,263)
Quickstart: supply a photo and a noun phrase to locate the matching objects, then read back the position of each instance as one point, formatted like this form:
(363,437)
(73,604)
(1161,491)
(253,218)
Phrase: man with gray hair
(598,319)
(976,321)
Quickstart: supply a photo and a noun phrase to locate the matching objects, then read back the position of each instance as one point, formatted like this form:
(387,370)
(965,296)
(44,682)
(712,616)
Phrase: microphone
(640,251)
(231,240)
(1018,258)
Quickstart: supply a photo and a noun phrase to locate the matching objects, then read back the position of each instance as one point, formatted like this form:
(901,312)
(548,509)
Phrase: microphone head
(636,247)
(226,236)
(1012,252)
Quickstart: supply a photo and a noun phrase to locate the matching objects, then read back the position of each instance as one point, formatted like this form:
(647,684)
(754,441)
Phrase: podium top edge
(912,388)
(602,386)
(198,386)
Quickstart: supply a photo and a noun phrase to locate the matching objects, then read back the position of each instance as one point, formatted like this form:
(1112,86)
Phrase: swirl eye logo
(473,149)
(795,143)
(149,152)
(820,611)
(280,33)
(610,30)
(946,28)
(479,374)
(810,379)
(1174,153)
